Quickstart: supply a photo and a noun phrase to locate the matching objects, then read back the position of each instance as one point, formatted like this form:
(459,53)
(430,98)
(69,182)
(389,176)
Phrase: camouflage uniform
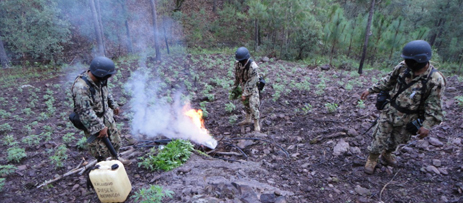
(248,77)
(391,128)
(90,109)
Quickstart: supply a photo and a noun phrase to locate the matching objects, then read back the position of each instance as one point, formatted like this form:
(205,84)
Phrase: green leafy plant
(9,140)
(82,143)
(360,104)
(31,140)
(154,194)
(2,183)
(232,119)
(203,108)
(171,156)
(331,107)
(59,155)
(68,138)
(16,153)
(230,107)
(5,127)
(306,108)
(459,100)
(7,169)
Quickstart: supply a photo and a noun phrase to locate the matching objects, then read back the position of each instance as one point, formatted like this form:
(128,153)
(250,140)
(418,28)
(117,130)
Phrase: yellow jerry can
(110,181)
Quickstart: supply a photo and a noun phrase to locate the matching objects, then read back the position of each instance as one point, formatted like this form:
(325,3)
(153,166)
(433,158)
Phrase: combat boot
(371,163)
(389,158)
(126,162)
(246,121)
(256,125)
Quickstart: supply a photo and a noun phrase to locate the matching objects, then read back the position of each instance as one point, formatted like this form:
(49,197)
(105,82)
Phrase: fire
(197,117)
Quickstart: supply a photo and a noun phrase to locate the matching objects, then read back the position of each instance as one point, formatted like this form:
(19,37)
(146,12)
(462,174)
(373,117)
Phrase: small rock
(265,59)
(268,198)
(432,169)
(435,142)
(325,67)
(74,188)
(355,150)
(363,200)
(362,191)
(436,162)
(450,89)
(295,155)
(455,141)
(422,144)
(444,199)
(280,199)
(22,167)
(352,132)
(443,170)
(340,148)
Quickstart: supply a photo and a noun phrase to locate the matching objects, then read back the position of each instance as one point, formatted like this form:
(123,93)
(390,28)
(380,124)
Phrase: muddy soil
(306,151)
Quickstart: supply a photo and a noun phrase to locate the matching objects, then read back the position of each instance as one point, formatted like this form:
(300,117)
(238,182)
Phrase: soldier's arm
(83,105)
(388,82)
(433,114)
(111,102)
(252,81)
(236,75)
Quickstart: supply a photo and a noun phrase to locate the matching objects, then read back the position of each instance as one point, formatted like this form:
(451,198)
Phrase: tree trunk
(127,31)
(214,6)
(99,38)
(97,4)
(367,36)
(155,29)
(3,57)
(165,34)
(256,34)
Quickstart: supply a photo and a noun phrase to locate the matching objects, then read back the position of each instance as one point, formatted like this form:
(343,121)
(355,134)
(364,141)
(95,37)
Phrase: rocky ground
(309,150)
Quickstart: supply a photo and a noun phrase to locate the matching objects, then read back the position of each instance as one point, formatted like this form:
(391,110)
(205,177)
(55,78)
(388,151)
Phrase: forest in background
(54,32)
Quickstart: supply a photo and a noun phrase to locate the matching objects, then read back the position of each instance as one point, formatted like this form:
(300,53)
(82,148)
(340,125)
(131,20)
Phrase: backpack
(261,83)
(74,117)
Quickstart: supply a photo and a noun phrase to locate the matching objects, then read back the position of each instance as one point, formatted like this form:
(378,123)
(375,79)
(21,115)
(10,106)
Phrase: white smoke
(154,116)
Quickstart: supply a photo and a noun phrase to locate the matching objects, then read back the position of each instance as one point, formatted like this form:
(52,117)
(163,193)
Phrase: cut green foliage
(232,119)
(16,154)
(360,104)
(171,156)
(154,194)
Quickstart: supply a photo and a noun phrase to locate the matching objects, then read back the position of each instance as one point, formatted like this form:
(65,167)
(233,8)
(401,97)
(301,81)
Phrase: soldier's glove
(414,126)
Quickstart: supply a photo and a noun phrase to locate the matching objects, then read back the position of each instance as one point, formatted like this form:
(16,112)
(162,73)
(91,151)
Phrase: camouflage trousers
(389,132)
(252,104)
(98,149)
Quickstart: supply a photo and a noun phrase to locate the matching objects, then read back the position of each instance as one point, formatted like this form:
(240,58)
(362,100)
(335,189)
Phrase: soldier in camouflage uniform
(90,93)
(247,76)
(409,104)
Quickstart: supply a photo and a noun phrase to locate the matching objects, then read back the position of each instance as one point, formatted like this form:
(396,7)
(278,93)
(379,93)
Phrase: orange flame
(197,117)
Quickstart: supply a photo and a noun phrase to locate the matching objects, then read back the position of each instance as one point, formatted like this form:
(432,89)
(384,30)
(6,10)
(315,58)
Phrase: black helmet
(102,67)
(242,54)
(418,50)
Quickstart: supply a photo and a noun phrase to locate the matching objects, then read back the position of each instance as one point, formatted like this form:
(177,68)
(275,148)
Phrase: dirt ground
(305,152)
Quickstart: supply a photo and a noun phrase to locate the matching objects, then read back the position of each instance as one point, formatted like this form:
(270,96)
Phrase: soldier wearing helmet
(96,107)
(415,104)
(247,76)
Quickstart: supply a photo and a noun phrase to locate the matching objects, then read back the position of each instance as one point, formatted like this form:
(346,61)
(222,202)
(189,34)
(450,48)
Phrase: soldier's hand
(364,95)
(116,111)
(103,133)
(243,97)
(423,132)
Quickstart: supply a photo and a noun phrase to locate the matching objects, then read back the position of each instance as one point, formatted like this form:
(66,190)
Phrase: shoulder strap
(90,86)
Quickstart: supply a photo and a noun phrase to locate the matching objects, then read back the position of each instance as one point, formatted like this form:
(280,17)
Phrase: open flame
(196,117)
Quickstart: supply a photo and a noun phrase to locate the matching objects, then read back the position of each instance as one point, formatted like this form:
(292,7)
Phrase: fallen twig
(82,169)
(250,138)
(384,187)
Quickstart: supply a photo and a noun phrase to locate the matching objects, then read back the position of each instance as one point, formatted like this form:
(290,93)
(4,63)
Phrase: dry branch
(81,170)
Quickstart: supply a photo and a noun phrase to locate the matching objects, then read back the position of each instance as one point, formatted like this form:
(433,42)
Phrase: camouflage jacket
(90,108)
(247,77)
(410,98)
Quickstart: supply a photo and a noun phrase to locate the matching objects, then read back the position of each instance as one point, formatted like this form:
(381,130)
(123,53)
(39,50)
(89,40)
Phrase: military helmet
(242,54)
(418,50)
(102,67)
